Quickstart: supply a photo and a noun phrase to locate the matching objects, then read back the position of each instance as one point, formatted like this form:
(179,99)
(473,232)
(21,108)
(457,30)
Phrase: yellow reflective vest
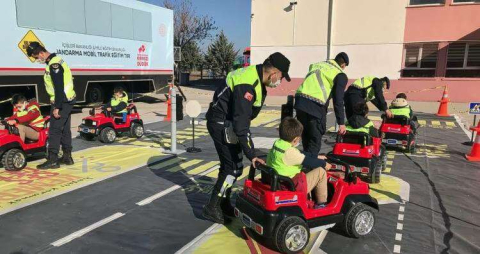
(68,87)
(35,123)
(318,83)
(365,83)
(364,129)
(114,102)
(247,75)
(275,159)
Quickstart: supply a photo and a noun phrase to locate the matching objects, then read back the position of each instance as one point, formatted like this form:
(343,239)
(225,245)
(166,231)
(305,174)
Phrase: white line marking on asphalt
(459,121)
(400,217)
(316,246)
(399,226)
(198,238)
(398,237)
(85,230)
(173,188)
(396,248)
(401,208)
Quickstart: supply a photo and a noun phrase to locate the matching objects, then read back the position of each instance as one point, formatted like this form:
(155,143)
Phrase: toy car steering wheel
(11,129)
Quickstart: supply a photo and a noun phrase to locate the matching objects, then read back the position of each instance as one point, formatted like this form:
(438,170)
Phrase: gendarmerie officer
(228,121)
(367,89)
(324,80)
(59,85)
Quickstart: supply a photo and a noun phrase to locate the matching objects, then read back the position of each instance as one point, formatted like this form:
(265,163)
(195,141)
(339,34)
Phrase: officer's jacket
(240,101)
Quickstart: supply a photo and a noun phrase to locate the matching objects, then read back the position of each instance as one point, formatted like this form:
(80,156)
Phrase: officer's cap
(279,61)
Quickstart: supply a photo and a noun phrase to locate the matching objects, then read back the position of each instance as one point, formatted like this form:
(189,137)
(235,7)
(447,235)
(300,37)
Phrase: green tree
(221,55)
(191,57)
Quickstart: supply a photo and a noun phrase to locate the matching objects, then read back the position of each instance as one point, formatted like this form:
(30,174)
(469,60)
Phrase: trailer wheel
(107,135)
(94,94)
(359,221)
(292,235)
(14,160)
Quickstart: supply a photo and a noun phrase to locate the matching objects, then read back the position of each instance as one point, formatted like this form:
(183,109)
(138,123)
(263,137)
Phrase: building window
(463,60)
(420,60)
(466,1)
(425,2)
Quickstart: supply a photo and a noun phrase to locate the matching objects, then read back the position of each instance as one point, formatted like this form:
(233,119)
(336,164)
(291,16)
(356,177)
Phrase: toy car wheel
(107,135)
(86,136)
(136,130)
(359,221)
(14,160)
(378,172)
(292,235)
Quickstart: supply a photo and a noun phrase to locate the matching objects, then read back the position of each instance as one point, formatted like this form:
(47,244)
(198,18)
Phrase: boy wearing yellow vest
(400,107)
(359,121)
(288,161)
(119,102)
(28,117)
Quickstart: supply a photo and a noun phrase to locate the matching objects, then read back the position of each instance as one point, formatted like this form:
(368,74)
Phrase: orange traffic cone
(169,105)
(443,108)
(475,152)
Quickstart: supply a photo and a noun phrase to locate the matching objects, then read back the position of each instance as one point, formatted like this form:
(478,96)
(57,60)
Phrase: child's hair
(290,128)
(118,89)
(18,98)
(361,108)
(402,95)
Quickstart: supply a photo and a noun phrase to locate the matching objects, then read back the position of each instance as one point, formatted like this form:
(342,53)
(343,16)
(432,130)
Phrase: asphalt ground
(133,197)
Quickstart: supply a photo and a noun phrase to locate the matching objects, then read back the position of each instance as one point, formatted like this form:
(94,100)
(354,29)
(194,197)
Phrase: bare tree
(188,25)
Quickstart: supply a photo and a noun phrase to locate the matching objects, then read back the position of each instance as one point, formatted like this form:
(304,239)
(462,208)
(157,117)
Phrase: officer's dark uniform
(236,103)
(370,89)
(59,85)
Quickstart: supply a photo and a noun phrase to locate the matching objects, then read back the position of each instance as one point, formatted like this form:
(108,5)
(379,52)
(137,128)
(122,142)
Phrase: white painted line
(400,216)
(399,226)
(396,248)
(401,208)
(83,231)
(198,238)
(398,237)
(316,246)
(173,188)
(459,121)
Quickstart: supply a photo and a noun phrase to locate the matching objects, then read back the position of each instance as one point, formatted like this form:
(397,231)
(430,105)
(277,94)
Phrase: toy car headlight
(83,121)
(94,123)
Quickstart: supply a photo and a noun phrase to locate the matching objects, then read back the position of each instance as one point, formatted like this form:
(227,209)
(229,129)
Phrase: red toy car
(364,153)
(14,152)
(106,126)
(274,209)
(398,132)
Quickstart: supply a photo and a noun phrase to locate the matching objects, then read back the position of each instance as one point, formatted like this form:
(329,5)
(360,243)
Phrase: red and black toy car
(276,210)
(398,132)
(14,151)
(364,153)
(106,125)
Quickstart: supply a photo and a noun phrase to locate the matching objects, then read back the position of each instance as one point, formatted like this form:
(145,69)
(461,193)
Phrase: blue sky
(231,16)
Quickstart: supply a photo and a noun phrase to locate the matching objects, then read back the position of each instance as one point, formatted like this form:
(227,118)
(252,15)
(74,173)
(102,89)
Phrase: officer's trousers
(60,130)
(313,130)
(230,156)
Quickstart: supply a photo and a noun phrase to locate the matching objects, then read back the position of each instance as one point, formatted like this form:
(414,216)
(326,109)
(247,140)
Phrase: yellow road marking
(390,163)
(165,163)
(202,168)
(451,124)
(265,116)
(387,170)
(422,122)
(272,124)
(184,165)
(437,123)
(375,118)
(390,156)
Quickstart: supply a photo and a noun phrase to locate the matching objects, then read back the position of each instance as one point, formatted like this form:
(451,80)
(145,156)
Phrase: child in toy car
(288,161)
(400,107)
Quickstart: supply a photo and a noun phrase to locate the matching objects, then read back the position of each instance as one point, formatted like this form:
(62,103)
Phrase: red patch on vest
(248,96)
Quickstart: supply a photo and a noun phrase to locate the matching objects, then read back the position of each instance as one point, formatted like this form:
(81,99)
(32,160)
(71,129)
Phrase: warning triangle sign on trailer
(27,39)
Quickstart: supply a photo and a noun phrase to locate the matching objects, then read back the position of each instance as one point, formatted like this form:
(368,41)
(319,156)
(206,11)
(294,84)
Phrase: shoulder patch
(248,96)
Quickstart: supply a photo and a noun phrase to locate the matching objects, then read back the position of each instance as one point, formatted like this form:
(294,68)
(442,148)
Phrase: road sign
(474,108)
(27,39)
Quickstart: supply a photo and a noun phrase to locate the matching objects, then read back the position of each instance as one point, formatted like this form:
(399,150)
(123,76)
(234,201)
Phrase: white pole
(173,147)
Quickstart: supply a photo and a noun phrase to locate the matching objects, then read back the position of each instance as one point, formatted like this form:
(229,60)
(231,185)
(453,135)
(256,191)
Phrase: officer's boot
(66,158)
(51,163)
(226,205)
(212,210)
